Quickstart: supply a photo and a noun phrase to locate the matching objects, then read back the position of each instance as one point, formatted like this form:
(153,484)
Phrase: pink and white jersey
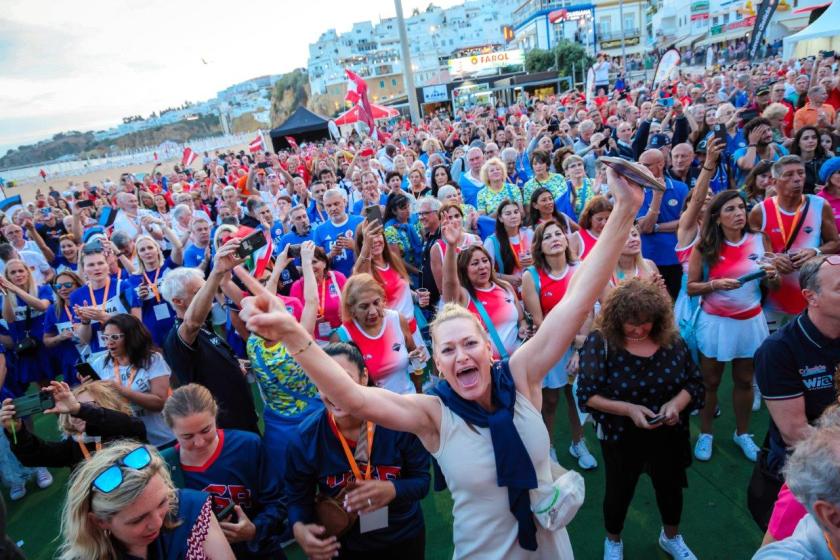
(467,240)
(684,255)
(736,259)
(788,298)
(385,354)
(553,288)
(503,312)
(587,242)
(397,294)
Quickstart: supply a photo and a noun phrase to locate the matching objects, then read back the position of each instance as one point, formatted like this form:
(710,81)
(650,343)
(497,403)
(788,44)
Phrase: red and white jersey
(553,288)
(502,309)
(385,354)
(736,259)
(788,297)
(684,255)
(397,294)
(587,242)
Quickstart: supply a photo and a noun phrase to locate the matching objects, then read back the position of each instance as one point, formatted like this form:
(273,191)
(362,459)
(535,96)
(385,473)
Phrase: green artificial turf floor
(716,523)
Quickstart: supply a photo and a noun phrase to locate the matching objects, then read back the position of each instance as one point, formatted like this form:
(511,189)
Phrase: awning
(721,37)
(689,40)
(809,9)
(795,24)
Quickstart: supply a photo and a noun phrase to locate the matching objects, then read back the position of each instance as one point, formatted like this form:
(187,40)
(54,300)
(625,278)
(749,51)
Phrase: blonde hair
(451,311)
(11,299)
(485,168)
(356,285)
(775,111)
(153,242)
(82,538)
(221,230)
(188,400)
(104,395)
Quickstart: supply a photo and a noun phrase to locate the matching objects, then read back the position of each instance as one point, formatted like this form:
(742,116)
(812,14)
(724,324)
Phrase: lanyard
(69,315)
(104,295)
(834,553)
(350,458)
(85,451)
(153,284)
(131,373)
(322,301)
(796,217)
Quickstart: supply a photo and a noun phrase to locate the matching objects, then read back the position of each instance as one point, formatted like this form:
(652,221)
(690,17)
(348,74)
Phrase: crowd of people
(429,293)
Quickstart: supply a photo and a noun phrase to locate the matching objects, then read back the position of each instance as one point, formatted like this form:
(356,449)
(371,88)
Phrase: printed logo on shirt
(673,202)
(808,229)
(753,256)
(377,472)
(816,377)
(396,347)
(222,495)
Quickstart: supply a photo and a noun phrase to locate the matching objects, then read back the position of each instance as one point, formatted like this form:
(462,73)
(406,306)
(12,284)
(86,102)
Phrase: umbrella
(378,111)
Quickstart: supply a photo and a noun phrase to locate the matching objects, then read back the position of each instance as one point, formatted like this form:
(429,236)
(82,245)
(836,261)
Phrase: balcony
(531,7)
(616,34)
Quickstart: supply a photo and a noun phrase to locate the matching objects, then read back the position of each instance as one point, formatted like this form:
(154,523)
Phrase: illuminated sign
(434,94)
(480,62)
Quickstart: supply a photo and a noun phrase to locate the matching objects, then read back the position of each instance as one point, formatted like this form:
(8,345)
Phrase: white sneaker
(552,454)
(43,477)
(747,445)
(613,550)
(579,451)
(676,547)
(703,447)
(17,492)
(756,399)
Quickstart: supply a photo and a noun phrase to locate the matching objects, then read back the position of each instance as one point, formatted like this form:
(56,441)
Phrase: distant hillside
(83,145)
(292,91)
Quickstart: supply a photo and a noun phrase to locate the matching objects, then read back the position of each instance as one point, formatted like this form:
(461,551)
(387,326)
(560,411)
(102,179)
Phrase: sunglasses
(113,337)
(93,249)
(67,285)
(111,478)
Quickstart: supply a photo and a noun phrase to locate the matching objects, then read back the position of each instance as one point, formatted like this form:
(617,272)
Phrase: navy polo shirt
(660,247)
(797,361)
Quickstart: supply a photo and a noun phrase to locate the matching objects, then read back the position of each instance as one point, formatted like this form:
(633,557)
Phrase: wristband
(85,322)
(302,350)
(708,168)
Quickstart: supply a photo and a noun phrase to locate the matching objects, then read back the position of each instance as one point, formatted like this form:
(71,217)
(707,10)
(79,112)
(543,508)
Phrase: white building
(373,49)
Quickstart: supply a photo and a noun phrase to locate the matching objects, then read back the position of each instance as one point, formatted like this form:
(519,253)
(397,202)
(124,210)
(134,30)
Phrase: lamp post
(621,19)
(408,72)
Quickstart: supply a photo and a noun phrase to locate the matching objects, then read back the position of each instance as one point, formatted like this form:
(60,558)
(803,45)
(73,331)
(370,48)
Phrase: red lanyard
(132,372)
(350,458)
(104,295)
(796,217)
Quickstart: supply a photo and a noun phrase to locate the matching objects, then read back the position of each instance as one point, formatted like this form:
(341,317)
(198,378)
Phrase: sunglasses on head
(111,478)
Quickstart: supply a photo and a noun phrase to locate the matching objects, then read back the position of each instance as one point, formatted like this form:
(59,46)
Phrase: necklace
(636,339)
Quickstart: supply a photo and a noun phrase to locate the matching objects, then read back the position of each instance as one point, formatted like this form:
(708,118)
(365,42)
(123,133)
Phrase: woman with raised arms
(482,423)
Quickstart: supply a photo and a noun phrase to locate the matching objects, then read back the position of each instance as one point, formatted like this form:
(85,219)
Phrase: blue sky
(84,65)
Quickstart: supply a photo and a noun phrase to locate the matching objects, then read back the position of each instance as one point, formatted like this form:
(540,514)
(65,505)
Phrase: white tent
(822,35)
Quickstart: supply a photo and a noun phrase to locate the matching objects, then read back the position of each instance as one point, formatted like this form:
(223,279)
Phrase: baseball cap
(763,90)
(367,152)
(659,140)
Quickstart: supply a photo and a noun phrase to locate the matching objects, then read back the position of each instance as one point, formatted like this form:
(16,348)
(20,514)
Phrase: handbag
(688,327)
(555,505)
(331,515)
(28,344)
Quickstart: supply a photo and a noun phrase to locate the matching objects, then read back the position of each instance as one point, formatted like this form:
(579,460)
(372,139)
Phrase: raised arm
(310,287)
(688,221)
(530,363)
(452,290)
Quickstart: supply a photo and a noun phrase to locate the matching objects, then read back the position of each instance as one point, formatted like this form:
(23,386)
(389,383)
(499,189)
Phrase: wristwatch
(818,252)
(655,228)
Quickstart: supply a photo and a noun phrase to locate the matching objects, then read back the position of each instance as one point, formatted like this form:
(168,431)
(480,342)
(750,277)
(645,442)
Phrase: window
(381,84)
(393,82)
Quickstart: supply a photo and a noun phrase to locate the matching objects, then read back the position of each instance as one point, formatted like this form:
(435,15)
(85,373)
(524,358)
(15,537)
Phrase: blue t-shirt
(116,301)
(157,314)
(292,238)
(359,206)
(66,354)
(741,175)
(469,189)
(60,264)
(660,247)
(19,328)
(276,232)
(326,235)
(193,255)
(316,216)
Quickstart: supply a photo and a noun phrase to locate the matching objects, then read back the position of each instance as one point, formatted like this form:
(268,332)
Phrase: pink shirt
(329,300)
(735,260)
(787,512)
(501,308)
(834,202)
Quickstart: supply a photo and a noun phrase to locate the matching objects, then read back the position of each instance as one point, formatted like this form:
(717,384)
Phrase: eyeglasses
(111,478)
(113,337)
(67,285)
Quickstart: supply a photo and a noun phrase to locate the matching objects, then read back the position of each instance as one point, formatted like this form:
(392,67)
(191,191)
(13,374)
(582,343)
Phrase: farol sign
(490,61)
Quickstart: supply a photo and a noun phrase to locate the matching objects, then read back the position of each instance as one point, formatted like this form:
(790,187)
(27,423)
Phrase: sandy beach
(28,189)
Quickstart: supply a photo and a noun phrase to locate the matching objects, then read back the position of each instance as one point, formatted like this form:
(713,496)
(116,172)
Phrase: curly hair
(138,340)
(636,301)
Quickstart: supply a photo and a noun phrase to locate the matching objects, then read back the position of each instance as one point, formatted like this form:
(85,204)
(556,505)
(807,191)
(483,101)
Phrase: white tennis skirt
(557,376)
(726,339)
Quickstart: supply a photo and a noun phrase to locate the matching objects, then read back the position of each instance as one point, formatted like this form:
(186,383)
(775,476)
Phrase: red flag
(188,157)
(357,94)
(256,144)
(291,141)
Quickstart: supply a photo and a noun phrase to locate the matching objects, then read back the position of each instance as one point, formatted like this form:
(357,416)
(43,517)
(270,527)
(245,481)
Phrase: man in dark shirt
(427,211)
(795,369)
(194,351)
(50,228)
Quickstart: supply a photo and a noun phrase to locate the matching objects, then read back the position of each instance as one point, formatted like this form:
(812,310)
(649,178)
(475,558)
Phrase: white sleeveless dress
(484,528)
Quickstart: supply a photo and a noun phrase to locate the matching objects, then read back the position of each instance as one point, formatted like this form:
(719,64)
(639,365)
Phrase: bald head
(681,156)
(654,160)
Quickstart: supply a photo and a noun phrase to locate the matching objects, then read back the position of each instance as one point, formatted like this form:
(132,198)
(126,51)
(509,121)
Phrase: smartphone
(227,510)
(666,101)
(604,142)
(84,204)
(720,133)
(253,242)
(33,404)
(294,251)
(656,419)
(262,165)
(828,54)
(84,369)
(374,214)
(752,276)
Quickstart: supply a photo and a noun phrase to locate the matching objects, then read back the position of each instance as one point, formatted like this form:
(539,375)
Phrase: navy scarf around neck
(514,468)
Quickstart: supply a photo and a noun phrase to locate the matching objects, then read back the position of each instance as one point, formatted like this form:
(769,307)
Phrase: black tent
(303,125)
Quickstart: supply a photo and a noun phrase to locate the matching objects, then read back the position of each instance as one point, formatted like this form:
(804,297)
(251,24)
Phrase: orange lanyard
(132,372)
(85,451)
(153,285)
(104,295)
(322,302)
(69,315)
(523,247)
(350,458)
(796,218)
(834,553)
